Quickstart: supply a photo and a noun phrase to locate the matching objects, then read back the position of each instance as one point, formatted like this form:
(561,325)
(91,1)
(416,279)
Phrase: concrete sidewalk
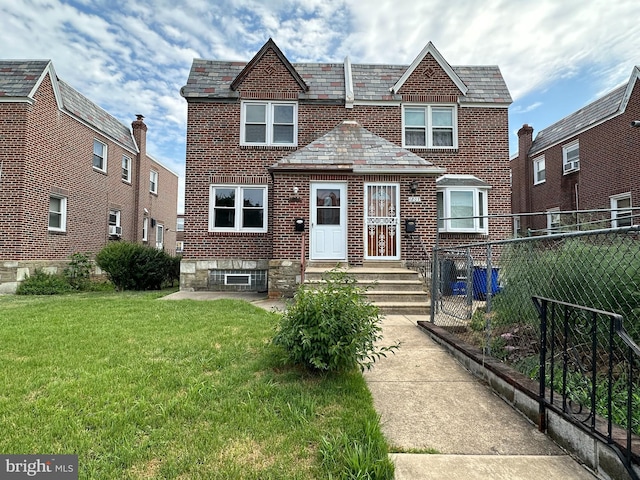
(428,402)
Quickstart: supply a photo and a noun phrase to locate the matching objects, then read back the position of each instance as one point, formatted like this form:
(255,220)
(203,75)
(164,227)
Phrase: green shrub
(131,266)
(41,283)
(331,327)
(78,272)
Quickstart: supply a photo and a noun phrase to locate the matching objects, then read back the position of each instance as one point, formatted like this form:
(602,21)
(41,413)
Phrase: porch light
(413,187)
(295,190)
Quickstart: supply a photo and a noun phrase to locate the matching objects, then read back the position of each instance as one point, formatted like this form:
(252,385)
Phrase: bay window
(462,202)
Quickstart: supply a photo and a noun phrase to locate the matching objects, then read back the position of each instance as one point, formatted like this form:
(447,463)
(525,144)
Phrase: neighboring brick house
(348,152)
(72,177)
(587,161)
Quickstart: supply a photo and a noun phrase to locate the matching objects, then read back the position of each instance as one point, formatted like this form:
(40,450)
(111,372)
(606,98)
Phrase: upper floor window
(126,168)
(153,181)
(180,224)
(99,156)
(462,202)
(269,123)
(115,229)
(236,208)
(571,157)
(621,213)
(430,126)
(539,174)
(57,213)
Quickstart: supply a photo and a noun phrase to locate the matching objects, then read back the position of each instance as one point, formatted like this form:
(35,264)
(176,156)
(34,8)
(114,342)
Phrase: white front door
(328,236)
(382,221)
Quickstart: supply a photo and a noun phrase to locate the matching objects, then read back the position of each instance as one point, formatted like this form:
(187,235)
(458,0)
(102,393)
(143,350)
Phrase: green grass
(143,388)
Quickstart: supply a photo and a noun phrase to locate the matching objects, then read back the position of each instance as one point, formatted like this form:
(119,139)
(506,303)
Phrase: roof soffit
(270,45)
(430,49)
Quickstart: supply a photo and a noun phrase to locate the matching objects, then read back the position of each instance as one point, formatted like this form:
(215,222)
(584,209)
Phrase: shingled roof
(588,116)
(19,80)
(350,147)
(326,81)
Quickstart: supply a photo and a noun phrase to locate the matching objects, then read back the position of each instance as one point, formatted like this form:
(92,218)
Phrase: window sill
(268,147)
(97,170)
(433,149)
(57,232)
(218,233)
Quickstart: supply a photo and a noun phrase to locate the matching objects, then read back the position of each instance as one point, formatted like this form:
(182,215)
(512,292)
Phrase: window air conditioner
(571,166)
(115,230)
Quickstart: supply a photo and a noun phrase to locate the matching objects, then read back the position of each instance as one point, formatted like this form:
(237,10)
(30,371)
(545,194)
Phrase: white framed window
(179,246)
(145,229)
(621,210)
(159,236)
(429,126)
(237,208)
(126,169)
(571,157)
(516,226)
(153,181)
(57,213)
(180,224)
(269,123)
(99,155)
(463,209)
(539,174)
(115,228)
(553,221)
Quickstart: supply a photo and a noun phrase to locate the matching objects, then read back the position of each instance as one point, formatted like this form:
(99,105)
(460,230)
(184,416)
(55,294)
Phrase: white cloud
(133,57)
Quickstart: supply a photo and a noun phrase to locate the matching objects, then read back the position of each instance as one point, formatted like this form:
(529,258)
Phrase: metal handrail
(548,311)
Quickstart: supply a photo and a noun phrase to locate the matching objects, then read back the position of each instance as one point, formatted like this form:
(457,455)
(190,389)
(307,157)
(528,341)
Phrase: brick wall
(609,161)
(50,152)
(214,155)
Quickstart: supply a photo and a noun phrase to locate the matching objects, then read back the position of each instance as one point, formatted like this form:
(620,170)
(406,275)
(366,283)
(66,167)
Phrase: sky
(132,57)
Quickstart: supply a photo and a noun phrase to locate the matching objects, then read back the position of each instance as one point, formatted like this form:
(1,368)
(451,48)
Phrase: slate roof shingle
(19,77)
(579,120)
(212,79)
(351,147)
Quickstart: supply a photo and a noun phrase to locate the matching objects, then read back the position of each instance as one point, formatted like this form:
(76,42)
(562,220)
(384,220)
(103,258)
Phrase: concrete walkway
(429,403)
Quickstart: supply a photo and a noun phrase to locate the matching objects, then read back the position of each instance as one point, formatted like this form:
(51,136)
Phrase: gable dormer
(430,74)
(269,75)
(269,87)
(430,91)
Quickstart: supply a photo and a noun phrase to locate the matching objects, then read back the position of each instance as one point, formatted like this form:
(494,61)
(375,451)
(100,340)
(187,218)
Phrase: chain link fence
(482,293)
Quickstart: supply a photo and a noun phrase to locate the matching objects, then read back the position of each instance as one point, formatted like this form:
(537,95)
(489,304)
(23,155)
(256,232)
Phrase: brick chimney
(140,133)
(141,164)
(522,175)
(525,139)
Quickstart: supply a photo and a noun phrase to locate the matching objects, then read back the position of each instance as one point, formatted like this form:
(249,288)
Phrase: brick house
(587,161)
(295,164)
(72,177)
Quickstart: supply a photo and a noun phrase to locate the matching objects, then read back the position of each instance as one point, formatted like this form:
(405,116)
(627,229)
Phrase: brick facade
(215,156)
(609,160)
(49,151)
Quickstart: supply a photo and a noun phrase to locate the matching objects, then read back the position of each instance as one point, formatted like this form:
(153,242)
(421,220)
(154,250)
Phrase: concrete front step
(393,288)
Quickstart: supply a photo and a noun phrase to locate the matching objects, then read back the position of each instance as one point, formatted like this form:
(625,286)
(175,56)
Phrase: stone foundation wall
(201,275)
(14,272)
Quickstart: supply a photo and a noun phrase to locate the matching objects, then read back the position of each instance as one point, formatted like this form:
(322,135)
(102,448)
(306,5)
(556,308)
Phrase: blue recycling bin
(480,282)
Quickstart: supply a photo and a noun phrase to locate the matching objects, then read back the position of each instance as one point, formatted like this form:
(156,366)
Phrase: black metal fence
(589,373)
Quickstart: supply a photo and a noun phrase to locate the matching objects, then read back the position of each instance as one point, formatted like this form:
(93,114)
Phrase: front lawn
(143,388)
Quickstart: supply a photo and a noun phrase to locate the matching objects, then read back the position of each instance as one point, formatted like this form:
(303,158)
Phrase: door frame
(313,229)
(398,232)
